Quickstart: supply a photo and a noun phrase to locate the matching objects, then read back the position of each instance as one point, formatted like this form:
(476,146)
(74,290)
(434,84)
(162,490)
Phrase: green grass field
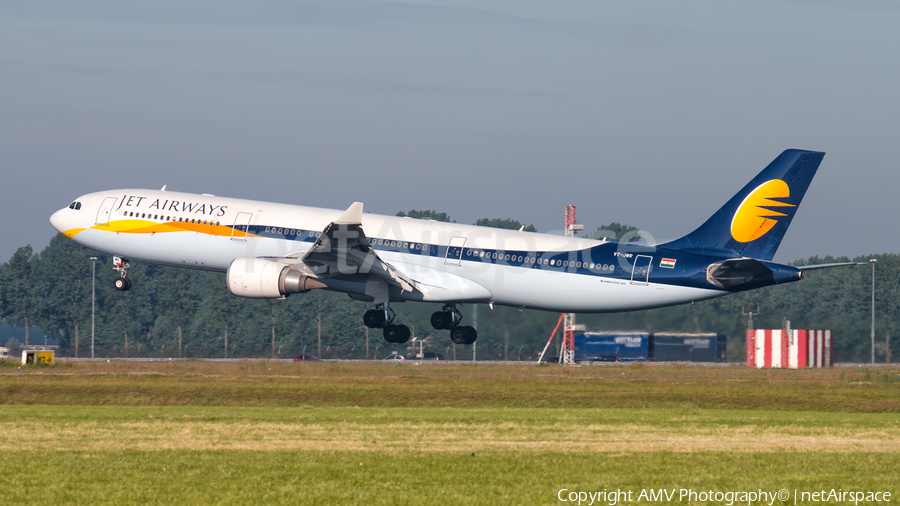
(369,433)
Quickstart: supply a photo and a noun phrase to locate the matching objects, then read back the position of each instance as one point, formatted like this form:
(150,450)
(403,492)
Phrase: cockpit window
(75,205)
(72,205)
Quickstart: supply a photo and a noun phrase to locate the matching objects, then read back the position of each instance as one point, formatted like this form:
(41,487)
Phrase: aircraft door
(105,211)
(240,227)
(640,273)
(454,250)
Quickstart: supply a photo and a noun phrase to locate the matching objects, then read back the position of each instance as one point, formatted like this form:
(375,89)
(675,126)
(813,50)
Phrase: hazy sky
(647,113)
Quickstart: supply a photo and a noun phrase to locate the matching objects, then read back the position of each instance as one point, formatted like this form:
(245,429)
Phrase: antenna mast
(567,353)
(750,315)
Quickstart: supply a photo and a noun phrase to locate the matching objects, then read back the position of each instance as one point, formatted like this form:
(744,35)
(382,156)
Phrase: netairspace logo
(730,498)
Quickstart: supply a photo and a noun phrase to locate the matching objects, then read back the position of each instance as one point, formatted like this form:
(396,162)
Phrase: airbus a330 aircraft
(273,250)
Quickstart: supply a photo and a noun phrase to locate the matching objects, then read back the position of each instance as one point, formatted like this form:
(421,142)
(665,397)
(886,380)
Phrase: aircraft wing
(342,251)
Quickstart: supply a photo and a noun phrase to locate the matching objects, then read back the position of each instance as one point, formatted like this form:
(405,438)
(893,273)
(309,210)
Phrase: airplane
(270,250)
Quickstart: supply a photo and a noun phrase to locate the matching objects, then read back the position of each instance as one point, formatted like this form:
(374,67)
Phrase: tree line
(172,312)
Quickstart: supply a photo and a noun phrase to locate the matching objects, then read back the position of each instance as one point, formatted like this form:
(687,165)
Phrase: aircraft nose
(57,220)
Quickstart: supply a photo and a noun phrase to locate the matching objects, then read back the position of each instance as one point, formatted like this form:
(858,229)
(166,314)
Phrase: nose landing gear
(121,283)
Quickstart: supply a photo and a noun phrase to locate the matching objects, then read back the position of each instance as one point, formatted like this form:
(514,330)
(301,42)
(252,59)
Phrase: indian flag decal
(668,263)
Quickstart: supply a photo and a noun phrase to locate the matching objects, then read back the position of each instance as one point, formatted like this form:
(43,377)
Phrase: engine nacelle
(258,278)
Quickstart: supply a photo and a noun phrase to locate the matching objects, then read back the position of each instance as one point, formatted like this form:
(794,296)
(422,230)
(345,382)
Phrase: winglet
(352,216)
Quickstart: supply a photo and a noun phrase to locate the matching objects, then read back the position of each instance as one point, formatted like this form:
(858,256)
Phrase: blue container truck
(677,347)
(644,346)
(612,347)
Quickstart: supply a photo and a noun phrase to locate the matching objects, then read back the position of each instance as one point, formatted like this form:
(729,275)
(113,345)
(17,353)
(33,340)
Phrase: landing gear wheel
(441,320)
(396,333)
(471,334)
(392,334)
(122,284)
(463,335)
(373,318)
(458,335)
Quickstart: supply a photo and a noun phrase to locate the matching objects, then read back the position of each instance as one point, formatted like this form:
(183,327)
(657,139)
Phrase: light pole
(872,261)
(94,300)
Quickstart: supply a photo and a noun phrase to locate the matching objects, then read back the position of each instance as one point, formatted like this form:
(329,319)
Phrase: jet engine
(258,278)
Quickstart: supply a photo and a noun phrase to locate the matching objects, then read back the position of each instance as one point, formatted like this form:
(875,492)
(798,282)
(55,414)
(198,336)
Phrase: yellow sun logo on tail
(752,220)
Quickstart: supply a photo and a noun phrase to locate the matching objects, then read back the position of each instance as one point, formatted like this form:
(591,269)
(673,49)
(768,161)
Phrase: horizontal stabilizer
(829,266)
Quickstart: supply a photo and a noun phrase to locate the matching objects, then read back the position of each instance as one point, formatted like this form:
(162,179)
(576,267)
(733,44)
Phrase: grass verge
(375,478)
(327,433)
(274,384)
(104,428)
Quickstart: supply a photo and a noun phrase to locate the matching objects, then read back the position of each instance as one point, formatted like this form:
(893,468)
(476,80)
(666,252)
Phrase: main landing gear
(121,283)
(449,319)
(383,317)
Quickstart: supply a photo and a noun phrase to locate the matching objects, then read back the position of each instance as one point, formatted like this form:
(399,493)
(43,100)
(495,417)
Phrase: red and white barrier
(800,349)
(821,348)
(799,353)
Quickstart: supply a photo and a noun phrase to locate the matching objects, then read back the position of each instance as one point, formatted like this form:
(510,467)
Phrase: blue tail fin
(754,221)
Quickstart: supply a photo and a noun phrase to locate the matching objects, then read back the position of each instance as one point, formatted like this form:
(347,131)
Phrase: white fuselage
(155,227)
